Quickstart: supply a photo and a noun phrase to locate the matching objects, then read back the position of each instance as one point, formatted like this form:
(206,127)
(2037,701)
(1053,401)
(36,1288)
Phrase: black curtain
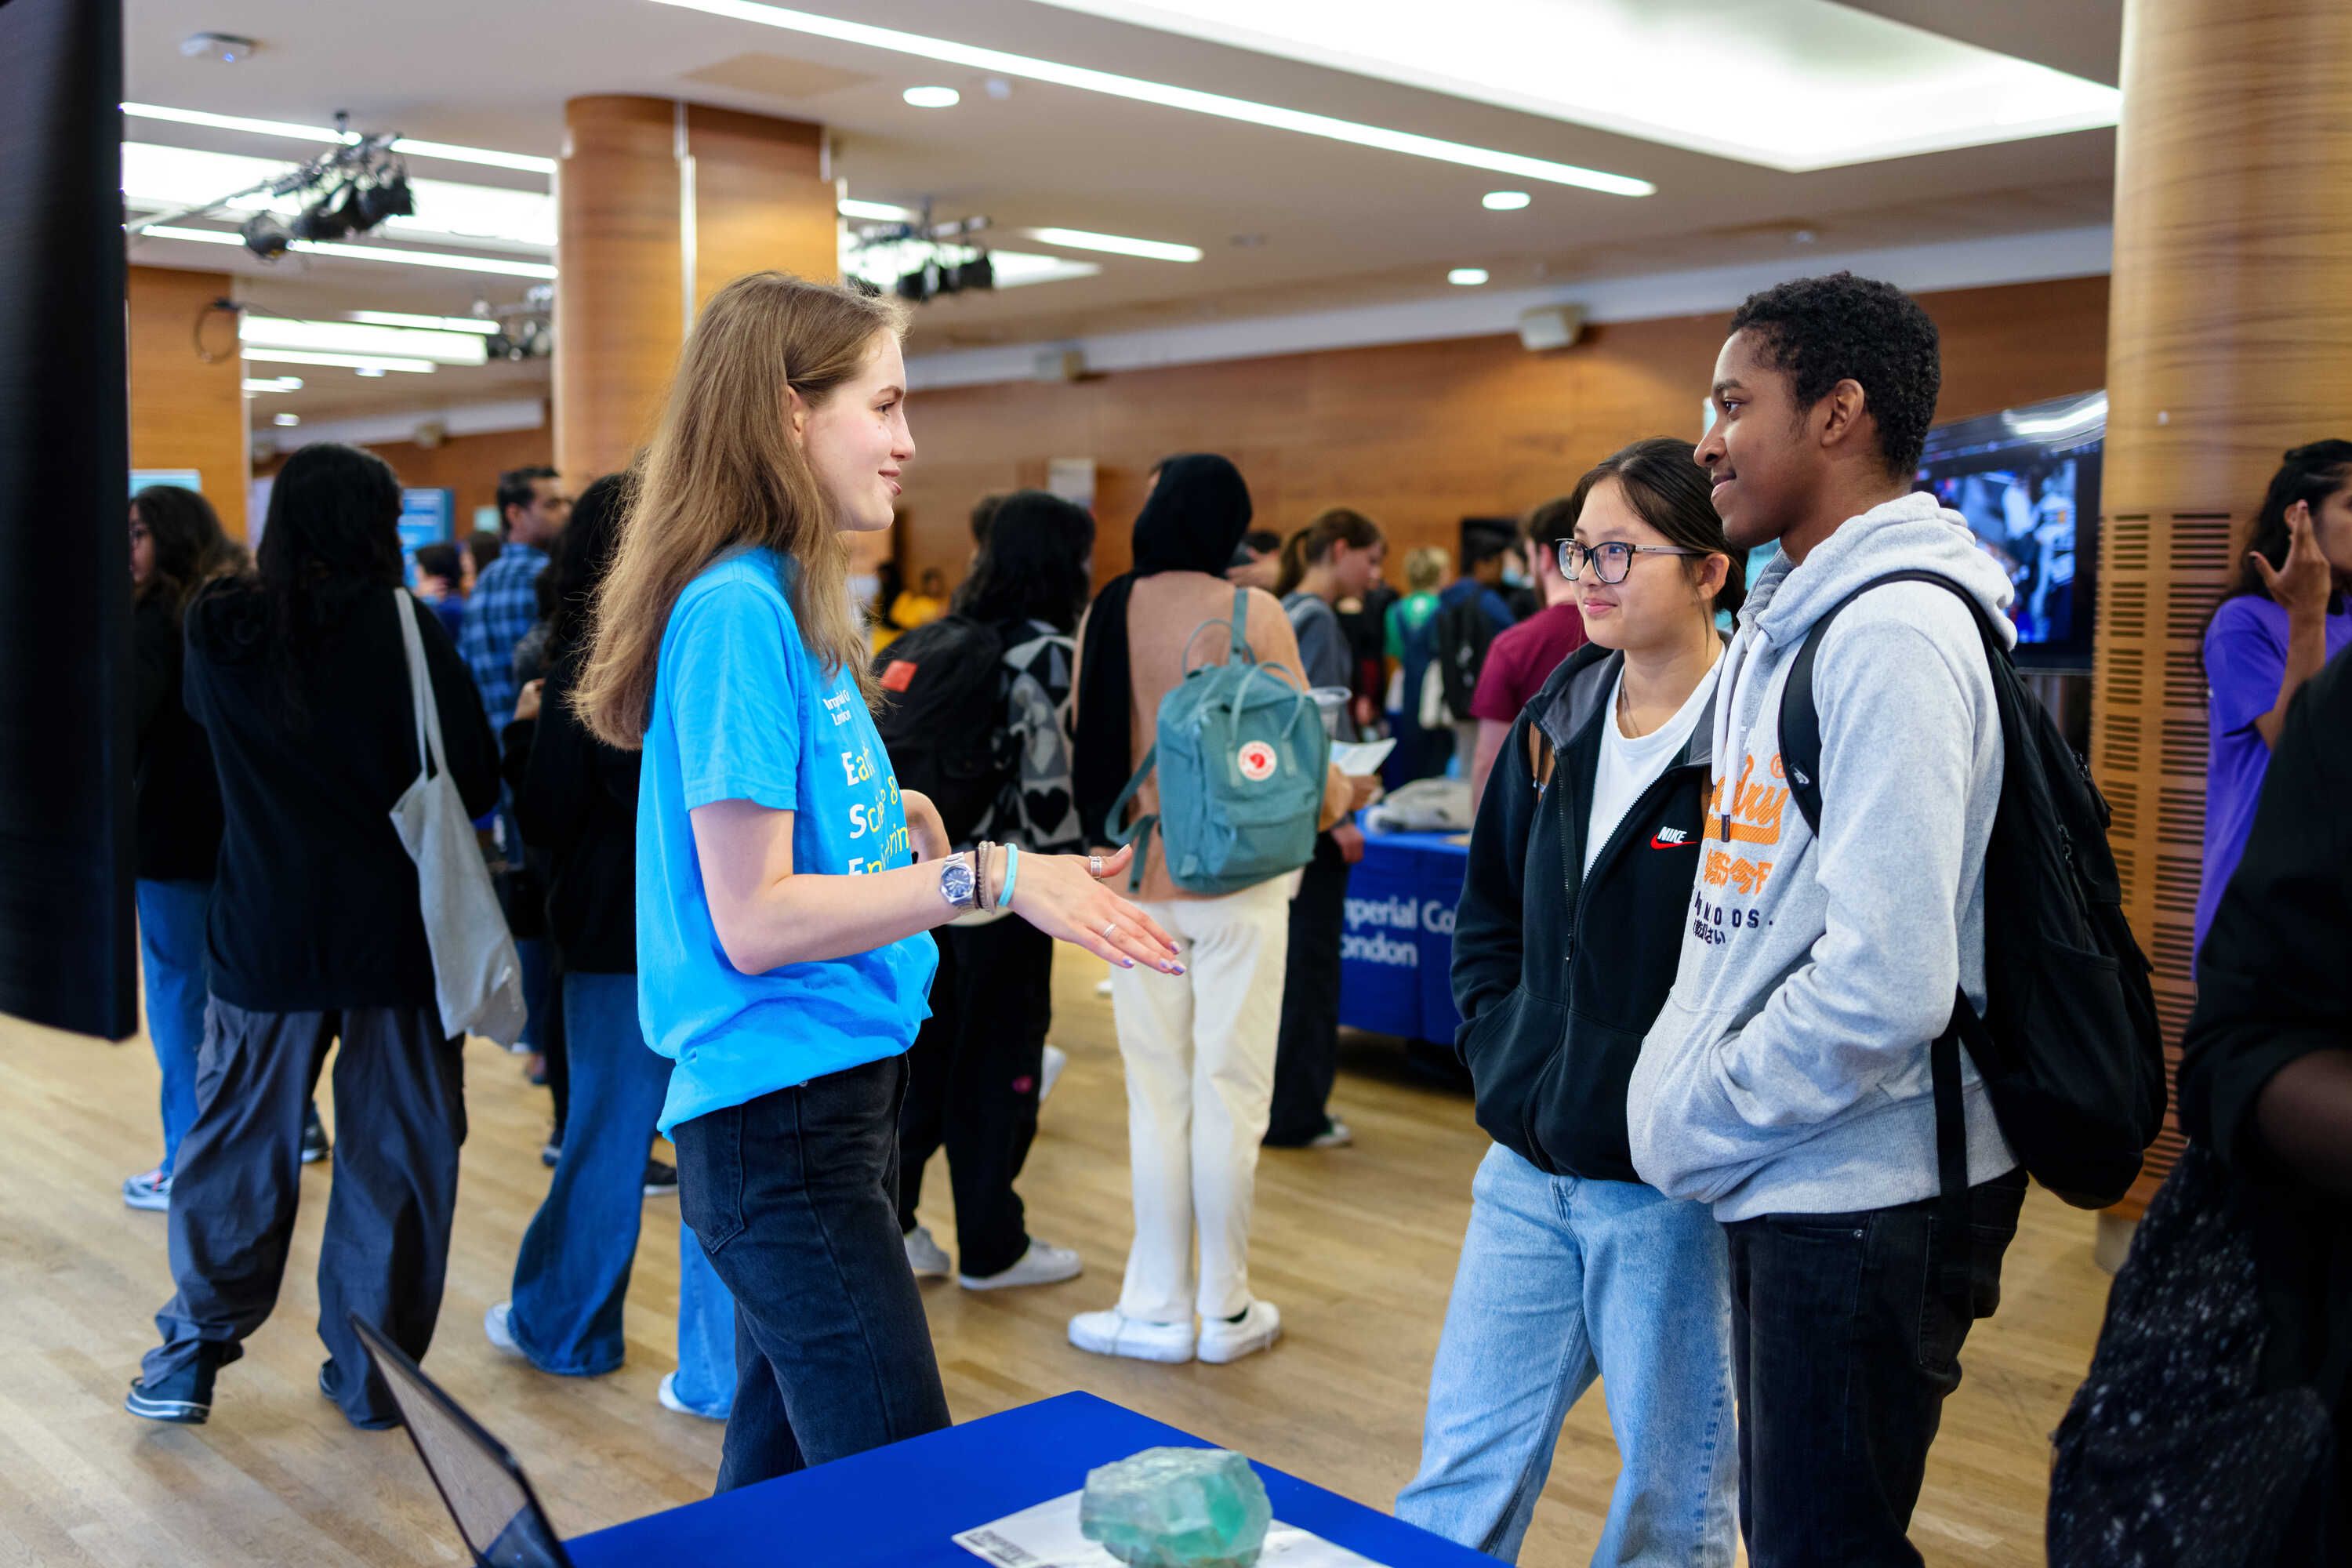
(67,941)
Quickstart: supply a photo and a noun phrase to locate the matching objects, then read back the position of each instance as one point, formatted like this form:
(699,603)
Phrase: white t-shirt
(1627,767)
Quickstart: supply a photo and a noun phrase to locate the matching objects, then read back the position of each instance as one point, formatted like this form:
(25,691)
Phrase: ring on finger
(1110,930)
(1094,865)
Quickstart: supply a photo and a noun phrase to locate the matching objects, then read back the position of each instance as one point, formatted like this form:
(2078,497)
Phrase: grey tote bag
(476,976)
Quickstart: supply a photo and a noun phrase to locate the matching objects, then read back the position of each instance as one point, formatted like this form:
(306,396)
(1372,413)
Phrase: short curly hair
(1823,331)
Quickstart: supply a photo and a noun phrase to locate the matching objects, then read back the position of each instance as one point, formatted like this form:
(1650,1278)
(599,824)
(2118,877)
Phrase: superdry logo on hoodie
(1744,819)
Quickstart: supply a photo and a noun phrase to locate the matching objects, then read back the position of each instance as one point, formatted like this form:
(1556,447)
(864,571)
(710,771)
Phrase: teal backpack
(1242,755)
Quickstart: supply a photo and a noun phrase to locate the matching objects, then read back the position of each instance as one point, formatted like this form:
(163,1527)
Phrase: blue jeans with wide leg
(172,953)
(573,1271)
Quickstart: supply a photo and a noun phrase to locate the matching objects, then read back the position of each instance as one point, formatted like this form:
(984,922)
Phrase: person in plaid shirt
(532,509)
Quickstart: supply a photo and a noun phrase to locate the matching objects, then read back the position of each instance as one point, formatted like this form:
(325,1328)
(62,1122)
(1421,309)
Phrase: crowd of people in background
(1698,1009)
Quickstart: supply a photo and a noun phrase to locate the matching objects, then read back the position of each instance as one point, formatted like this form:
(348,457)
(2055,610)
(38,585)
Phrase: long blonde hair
(724,472)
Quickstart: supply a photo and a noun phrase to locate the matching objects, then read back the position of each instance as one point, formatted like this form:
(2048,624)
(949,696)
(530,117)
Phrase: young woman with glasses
(1582,865)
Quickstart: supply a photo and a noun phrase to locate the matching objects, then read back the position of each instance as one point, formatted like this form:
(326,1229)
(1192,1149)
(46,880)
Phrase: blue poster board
(424,517)
(1396,948)
(187,478)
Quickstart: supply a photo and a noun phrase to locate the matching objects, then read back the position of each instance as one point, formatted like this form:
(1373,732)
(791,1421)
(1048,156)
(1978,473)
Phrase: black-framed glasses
(1612,560)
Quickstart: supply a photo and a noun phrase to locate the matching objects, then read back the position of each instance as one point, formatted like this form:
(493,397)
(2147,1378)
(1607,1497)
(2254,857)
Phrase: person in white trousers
(1200,1051)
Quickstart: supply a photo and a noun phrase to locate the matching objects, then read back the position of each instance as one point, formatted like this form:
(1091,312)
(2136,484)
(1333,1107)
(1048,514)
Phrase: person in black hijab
(1196,514)
(1199,1053)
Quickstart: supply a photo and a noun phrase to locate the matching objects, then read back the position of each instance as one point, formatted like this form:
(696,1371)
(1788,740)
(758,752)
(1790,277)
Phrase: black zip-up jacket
(1559,975)
(176,802)
(575,799)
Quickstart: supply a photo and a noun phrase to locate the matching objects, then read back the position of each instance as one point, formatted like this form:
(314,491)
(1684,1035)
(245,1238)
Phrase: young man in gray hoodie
(1786,1081)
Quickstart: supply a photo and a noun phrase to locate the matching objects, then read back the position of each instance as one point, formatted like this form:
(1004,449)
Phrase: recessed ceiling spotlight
(999,89)
(1801,237)
(1466,277)
(1504,201)
(286,421)
(932,97)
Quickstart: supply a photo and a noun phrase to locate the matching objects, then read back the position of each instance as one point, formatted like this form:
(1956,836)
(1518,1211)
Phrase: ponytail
(1312,544)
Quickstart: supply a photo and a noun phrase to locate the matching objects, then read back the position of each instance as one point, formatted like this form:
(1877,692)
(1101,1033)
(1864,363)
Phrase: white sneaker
(1041,1264)
(1114,1333)
(1102,986)
(149,1190)
(1057,1059)
(927,1258)
(1336,1134)
(499,1327)
(1223,1341)
(667,1394)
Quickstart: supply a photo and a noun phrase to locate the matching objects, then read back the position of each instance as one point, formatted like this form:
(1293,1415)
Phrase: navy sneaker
(661,1181)
(184,1399)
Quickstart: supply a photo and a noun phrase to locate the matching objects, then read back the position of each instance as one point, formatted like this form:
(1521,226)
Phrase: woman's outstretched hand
(1064,896)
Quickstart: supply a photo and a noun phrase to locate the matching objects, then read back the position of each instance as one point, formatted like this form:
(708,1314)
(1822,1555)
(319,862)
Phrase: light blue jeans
(705,1382)
(172,949)
(1563,1280)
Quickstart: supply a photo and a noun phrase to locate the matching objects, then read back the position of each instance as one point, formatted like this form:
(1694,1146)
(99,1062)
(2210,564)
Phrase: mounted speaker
(1551,327)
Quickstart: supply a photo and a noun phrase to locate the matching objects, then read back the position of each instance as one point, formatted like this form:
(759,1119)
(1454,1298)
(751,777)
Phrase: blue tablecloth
(1397,947)
(902,1505)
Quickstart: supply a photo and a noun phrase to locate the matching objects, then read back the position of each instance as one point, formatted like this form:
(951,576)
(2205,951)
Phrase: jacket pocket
(1576,1107)
(1507,1051)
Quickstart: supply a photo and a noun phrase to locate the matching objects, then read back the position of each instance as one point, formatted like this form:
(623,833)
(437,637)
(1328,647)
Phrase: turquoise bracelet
(1012,875)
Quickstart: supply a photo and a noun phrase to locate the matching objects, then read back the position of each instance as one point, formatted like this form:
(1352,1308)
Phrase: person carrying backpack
(1788,1078)
(1471,613)
(1200,1050)
(974,1071)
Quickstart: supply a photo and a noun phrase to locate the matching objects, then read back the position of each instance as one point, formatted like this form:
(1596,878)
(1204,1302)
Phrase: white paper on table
(1047,1536)
(1361,758)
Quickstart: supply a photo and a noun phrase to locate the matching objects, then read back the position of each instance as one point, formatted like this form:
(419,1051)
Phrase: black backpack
(1464,632)
(942,721)
(2069,1048)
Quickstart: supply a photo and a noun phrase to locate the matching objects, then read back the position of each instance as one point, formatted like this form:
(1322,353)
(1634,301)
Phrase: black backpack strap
(1800,758)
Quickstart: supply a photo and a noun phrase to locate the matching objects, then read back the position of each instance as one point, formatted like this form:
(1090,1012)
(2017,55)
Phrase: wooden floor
(1356,1245)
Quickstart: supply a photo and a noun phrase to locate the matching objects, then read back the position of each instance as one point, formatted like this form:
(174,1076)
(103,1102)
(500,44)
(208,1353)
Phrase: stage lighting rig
(351,189)
(920,261)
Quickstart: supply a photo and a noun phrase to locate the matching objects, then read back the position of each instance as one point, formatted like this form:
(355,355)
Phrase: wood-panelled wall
(470,465)
(186,413)
(1422,434)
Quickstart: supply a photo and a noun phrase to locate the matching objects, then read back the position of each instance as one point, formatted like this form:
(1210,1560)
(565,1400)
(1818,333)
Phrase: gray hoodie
(1788,1071)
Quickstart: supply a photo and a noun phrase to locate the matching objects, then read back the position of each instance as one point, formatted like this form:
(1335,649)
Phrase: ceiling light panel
(1137,89)
(161,178)
(360,338)
(381,253)
(488,157)
(1116,243)
(877,212)
(1789,84)
(335,360)
(478,324)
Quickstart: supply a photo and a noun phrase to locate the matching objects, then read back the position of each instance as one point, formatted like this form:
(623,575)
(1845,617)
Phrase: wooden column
(186,413)
(659,203)
(2230,339)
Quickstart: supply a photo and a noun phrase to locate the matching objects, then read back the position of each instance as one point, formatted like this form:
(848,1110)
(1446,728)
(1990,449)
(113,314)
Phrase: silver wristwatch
(959,883)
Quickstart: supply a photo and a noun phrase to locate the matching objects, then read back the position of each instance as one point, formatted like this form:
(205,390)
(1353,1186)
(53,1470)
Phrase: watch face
(955,882)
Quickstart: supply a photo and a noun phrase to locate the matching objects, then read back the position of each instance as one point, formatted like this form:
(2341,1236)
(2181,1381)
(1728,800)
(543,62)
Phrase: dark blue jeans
(794,1196)
(1843,1351)
(573,1271)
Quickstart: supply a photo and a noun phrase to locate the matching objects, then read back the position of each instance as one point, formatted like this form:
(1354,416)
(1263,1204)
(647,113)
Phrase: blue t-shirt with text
(742,710)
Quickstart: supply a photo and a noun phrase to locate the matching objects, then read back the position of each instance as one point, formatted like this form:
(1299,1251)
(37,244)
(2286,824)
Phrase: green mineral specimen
(1177,1508)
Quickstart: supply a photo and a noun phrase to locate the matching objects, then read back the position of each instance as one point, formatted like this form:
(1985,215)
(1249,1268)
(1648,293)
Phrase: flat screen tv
(2028,481)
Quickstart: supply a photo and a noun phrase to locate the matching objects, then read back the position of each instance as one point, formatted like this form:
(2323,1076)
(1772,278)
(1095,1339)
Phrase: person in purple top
(2287,615)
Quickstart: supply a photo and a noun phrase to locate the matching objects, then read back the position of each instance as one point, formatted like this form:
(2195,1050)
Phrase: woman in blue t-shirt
(785,993)
(2285,618)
